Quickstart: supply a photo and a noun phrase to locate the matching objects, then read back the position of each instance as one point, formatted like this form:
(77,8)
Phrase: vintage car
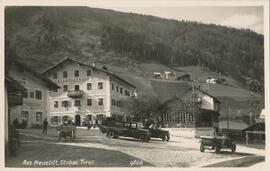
(66,130)
(159,133)
(217,143)
(113,129)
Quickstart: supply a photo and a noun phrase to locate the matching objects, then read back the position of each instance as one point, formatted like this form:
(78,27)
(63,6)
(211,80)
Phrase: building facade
(34,108)
(87,93)
(193,109)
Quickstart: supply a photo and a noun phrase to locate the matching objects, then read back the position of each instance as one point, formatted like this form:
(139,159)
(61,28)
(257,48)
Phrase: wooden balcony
(75,93)
(15,100)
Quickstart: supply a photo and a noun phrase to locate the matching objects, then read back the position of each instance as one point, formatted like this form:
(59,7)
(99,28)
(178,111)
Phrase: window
(118,103)
(89,102)
(25,94)
(65,74)
(76,73)
(32,94)
(55,120)
(100,116)
(66,118)
(127,124)
(126,93)
(39,116)
(117,89)
(112,86)
(100,102)
(65,103)
(65,88)
(121,90)
(77,87)
(113,102)
(25,115)
(89,86)
(89,117)
(55,104)
(77,103)
(88,72)
(55,75)
(38,94)
(100,85)
(133,125)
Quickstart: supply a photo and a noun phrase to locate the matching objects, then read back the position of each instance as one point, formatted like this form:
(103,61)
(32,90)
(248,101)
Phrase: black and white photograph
(148,84)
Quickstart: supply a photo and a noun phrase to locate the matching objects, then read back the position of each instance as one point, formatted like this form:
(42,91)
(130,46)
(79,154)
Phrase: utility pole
(193,102)
(227,107)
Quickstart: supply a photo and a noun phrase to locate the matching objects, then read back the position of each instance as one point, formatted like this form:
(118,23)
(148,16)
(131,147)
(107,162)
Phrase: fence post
(246,138)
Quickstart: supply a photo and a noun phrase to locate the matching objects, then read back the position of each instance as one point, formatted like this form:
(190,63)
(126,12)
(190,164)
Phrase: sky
(247,17)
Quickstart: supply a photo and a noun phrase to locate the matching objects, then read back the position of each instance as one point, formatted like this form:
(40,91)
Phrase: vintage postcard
(148,84)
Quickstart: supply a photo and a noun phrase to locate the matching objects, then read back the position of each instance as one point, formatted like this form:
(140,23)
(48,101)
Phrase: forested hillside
(43,35)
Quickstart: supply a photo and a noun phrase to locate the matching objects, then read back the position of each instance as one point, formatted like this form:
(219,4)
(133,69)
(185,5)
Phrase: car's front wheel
(110,134)
(144,138)
(165,138)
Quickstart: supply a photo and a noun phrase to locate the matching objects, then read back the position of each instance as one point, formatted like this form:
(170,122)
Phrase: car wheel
(110,134)
(164,138)
(218,148)
(233,148)
(201,148)
(143,138)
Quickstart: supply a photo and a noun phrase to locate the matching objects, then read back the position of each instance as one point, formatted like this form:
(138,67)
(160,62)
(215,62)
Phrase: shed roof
(13,86)
(50,84)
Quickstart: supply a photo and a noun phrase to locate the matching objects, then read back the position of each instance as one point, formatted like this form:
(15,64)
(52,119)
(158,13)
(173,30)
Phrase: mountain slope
(44,35)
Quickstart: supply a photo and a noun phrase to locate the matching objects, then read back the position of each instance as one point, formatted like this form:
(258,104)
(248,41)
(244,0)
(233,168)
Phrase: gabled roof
(50,84)
(165,90)
(89,66)
(13,86)
(208,94)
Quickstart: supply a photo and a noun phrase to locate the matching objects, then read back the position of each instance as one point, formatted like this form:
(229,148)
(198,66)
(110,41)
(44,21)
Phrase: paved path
(122,152)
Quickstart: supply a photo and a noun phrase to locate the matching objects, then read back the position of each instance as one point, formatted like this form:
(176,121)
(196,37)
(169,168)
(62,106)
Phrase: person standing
(45,126)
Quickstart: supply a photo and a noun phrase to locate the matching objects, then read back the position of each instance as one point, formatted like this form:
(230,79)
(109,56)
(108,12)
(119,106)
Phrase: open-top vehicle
(113,129)
(217,143)
(65,131)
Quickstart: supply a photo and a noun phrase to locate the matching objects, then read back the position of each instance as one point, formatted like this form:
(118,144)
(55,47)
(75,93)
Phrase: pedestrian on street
(45,125)
(88,125)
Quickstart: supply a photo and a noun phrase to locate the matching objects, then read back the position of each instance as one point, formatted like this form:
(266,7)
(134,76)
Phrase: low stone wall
(190,132)
(181,132)
(204,132)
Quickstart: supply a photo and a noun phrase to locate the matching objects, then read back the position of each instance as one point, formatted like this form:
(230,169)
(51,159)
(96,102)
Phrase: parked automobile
(159,133)
(217,143)
(113,129)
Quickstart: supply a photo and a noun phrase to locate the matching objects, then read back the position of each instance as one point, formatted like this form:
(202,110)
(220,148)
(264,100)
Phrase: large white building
(34,107)
(87,93)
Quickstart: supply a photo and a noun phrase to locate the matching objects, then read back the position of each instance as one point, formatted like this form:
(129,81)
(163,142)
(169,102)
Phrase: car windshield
(140,125)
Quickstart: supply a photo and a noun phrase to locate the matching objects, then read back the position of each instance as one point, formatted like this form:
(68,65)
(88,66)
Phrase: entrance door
(78,120)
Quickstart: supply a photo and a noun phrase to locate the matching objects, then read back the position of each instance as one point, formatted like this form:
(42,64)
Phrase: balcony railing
(75,93)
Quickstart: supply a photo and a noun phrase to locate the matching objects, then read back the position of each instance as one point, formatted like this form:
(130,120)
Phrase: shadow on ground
(32,150)
(242,162)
